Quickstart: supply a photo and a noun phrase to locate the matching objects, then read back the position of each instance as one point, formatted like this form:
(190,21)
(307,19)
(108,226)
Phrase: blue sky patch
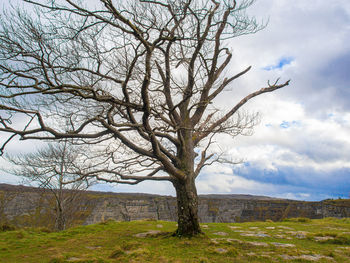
(285,125)
(319,185)
(288,124)
(280,64)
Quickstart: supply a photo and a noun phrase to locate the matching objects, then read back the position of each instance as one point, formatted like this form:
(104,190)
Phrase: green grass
(295,240)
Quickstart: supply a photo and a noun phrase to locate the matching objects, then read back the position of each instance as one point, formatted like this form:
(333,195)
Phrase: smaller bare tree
(53,168)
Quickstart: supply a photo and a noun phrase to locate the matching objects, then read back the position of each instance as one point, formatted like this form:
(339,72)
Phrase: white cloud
(224,183)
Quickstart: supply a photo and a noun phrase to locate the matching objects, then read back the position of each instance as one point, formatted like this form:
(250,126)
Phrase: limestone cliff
(25,206)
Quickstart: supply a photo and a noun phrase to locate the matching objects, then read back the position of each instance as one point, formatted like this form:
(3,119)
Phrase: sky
(301,147)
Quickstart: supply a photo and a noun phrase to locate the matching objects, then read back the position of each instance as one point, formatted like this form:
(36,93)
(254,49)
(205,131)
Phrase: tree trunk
(187,208)
(60,219)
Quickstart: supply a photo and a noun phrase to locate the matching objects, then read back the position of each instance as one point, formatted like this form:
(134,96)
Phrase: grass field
(295,240)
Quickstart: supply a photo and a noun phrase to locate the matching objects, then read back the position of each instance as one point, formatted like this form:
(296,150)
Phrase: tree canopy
(136,80)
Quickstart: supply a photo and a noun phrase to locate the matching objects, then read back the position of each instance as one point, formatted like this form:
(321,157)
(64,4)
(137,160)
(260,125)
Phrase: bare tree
(136,80)
(53,168)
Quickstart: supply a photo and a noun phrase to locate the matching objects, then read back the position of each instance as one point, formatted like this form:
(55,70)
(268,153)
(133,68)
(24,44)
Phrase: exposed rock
(285,227)
(336,228)
(248,234)
(298,234)
(148,233)
(325,238)
(287,257)
(221,250)
(311,257)
(93,248)
(282,244)
(233,240)
(283,237)
(307,257)
(259,244)
(234,227)
(214,241)
(19,206)
(346,248)
(280,236)
(72,259)
(262,235)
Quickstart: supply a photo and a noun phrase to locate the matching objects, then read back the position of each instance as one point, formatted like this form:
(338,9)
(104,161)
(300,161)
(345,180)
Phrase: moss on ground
(293,240)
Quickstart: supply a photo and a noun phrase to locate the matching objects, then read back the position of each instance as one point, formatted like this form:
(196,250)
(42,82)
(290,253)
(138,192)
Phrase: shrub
(6,227)
(56,260)
(118,251)
(340,240)
(297,219)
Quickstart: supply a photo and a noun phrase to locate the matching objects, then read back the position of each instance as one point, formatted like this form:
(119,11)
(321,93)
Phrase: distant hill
(11,187)
(240,196)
